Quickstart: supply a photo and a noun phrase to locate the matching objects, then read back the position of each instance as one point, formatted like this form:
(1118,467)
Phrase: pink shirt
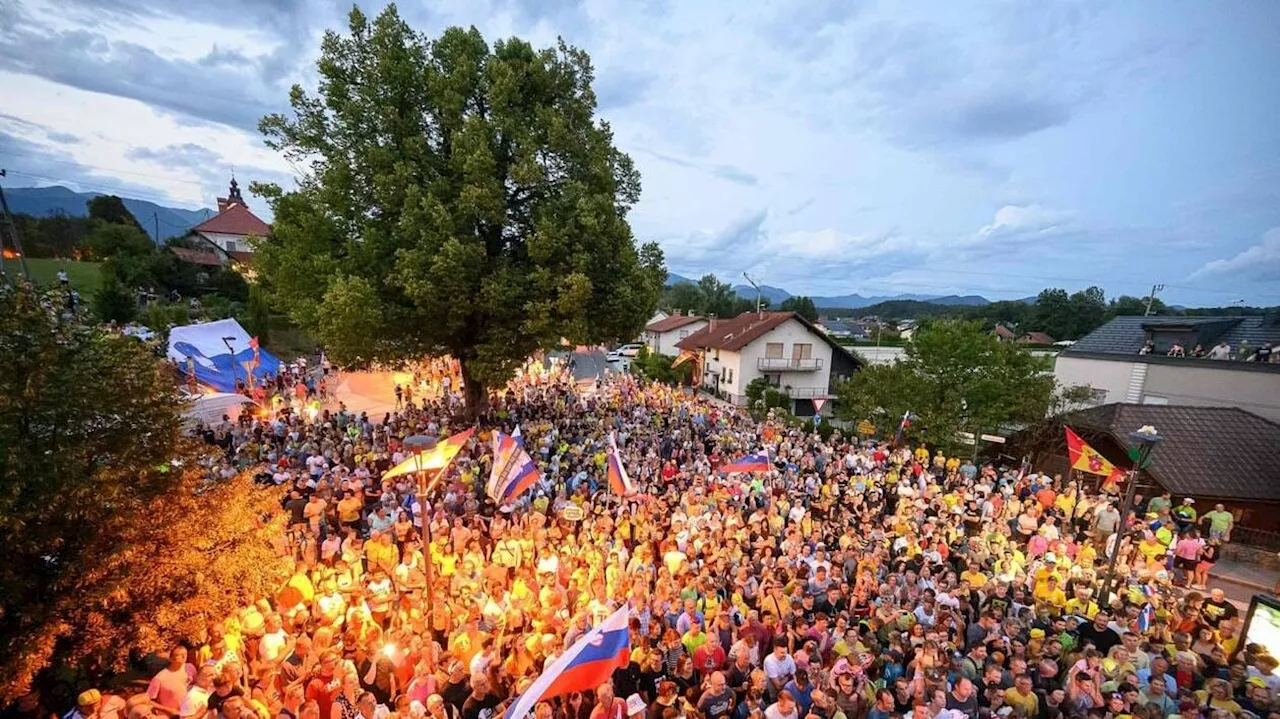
(1188,548)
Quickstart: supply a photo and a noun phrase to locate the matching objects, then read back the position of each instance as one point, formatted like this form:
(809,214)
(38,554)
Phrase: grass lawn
(85,276)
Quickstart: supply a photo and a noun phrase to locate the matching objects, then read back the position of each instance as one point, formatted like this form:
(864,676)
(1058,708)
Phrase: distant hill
(674,279)
(775,295)
(58,200)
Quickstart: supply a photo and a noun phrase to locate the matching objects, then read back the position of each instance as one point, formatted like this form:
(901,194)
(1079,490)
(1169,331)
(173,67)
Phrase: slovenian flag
(586,665)
(513,472)
(1145,617)
(619,482)
(758,462)
(902,427)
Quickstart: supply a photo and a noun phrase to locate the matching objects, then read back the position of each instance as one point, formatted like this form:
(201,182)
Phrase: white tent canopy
(211,407)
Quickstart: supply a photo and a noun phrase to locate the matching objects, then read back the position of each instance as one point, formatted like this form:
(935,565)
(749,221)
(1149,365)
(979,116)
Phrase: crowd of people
(852,580)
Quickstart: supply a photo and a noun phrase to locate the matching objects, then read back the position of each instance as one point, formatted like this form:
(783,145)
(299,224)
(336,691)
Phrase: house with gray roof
(1183,361)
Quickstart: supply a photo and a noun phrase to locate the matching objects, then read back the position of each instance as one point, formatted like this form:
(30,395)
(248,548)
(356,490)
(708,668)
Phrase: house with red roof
(784,349)
(662,335)
(228,235)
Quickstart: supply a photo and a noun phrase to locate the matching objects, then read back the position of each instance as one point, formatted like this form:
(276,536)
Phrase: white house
(662,335)
(227,235)
(1112,361)
(785,349)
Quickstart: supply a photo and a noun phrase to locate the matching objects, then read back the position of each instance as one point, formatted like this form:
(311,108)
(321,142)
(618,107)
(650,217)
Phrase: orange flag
(438,458)
(1087,459)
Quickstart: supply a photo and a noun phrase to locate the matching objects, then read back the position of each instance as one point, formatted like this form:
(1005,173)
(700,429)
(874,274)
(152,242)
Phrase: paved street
(588,363)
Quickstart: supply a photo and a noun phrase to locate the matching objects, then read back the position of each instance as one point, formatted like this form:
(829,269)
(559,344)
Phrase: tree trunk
(475,392)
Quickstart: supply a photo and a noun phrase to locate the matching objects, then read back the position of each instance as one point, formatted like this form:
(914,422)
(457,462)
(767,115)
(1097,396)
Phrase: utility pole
(12,231)
(155,217)
(1151,298)
(757,287)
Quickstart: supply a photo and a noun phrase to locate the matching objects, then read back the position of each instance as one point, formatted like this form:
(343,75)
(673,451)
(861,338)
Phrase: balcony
(784,364)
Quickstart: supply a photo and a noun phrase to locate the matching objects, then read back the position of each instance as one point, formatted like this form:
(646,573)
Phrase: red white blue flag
(758,462)
(586,665)
(513,472)
(616,470)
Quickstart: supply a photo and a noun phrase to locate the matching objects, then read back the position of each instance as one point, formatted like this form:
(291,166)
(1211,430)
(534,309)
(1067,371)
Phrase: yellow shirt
(1088,608)
(1054,597)
(976,580)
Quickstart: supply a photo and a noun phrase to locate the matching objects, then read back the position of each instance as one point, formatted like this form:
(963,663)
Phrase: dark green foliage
(802,306)
(955,376)
(113,302)
(110,209)
(461,199)
(708,296)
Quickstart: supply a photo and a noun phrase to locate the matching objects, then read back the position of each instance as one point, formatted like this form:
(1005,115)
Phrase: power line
(113,170)
(129,192)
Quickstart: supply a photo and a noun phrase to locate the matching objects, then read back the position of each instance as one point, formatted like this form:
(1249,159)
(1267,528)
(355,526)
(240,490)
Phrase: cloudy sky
(824,146)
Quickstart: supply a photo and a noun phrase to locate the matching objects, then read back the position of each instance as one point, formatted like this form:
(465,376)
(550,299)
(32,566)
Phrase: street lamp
(227,341)
(1142,442)
(418,445)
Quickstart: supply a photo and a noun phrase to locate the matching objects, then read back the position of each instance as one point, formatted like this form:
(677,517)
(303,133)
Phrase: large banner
(202,349)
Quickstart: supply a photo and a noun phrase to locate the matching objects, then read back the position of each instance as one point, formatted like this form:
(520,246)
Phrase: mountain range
(160,222)
(776,295)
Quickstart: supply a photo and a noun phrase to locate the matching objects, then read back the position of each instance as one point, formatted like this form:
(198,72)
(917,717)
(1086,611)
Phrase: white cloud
(1260,262)
(1025,220)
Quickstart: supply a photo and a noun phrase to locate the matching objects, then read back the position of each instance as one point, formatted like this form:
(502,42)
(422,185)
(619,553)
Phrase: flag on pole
(1087,459)
(436,459)
(513,469)
(758,462)
(1024,468)
(619,482)
(902,427)
(518,436)
(586,665)
(1146,617)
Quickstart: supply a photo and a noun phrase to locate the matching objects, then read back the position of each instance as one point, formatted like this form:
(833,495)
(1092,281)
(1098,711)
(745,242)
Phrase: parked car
(629,350)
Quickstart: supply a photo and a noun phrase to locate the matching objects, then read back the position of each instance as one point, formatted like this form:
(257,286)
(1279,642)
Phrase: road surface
(588,364)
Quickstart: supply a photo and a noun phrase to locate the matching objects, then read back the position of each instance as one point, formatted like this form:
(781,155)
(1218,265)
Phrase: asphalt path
(589,364)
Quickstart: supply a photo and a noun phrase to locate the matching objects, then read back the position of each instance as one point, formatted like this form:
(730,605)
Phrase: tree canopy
(801,305)
(112,537)
(457,198)
(954,376)
(708,296)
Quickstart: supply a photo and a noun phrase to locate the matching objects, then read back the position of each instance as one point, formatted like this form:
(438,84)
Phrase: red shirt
(707,659)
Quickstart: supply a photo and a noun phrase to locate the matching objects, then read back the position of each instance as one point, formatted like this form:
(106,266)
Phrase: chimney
(711,319)
(223,204)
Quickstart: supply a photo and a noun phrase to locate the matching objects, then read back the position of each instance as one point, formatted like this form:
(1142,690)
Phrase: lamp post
(1142,442)
(227,341)
(420,444)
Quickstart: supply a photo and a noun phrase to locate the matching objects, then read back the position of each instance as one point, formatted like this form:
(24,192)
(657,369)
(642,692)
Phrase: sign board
(818,404)
(965,437)
(572,513)
(817,420)
(993,438)
(865,427)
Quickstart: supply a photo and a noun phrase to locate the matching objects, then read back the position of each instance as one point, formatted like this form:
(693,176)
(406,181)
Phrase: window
(684,333)
(231,245)
(1153,399)
(801,351)
(729,376)
(773,350)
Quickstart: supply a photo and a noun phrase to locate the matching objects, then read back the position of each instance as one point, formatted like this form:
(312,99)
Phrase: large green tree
(456,198)
(801,305)
(113,540)
(953,377)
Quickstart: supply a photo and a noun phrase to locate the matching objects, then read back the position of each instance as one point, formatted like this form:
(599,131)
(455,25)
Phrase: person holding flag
(584,667)
(616,470)
(514,471)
